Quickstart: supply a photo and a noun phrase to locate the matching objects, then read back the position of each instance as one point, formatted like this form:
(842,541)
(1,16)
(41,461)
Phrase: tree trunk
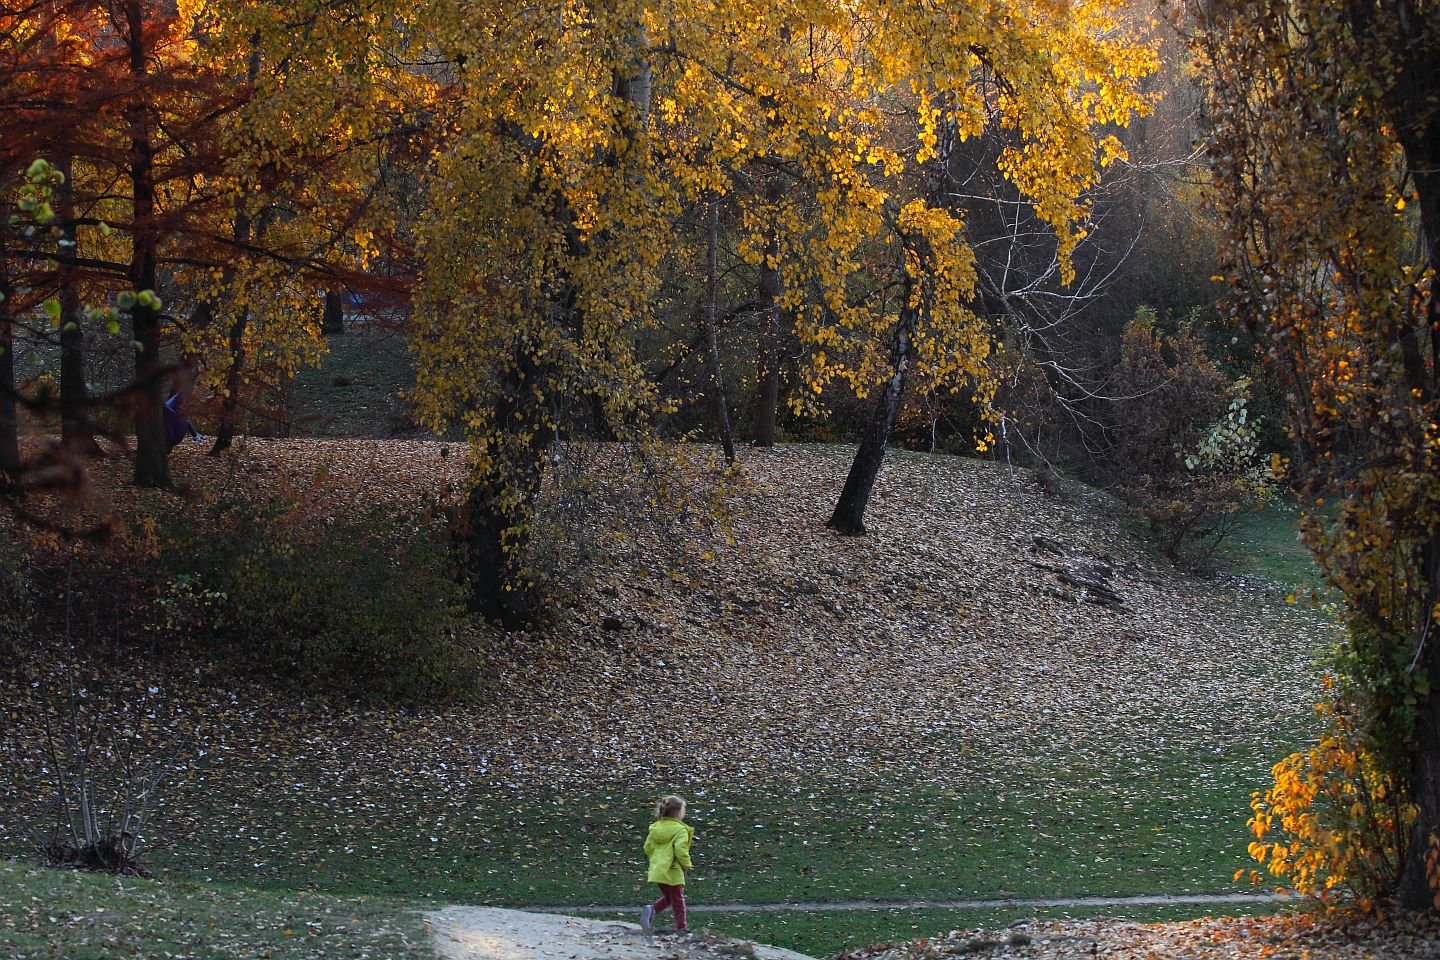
(242,225)
(766,404)
(500,505)
(229,424)
(1418,878)
(716,389)
(499,508)
(76,432)
(849,515)
(152,464)
(1416,89)
(332,322)
(9,421)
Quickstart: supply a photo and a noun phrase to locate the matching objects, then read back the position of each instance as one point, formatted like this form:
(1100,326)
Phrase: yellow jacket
(668,847)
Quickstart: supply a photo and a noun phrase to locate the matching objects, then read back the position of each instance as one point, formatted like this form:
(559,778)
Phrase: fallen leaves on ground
(1292,937)
(942,648)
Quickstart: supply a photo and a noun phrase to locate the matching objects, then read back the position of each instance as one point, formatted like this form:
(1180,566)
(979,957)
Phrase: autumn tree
(327,107)
(1326,158)
(554,202)
(56,94)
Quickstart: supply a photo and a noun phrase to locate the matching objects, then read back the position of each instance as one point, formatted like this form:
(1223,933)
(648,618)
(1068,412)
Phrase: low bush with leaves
(15,600)
(1333,822)
(365,604)
(1186,445)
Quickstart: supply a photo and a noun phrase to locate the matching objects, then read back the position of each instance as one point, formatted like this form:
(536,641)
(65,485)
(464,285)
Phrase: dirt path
(489,933)
(842,905)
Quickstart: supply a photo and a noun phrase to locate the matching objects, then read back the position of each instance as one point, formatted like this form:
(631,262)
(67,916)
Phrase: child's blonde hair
(669,806)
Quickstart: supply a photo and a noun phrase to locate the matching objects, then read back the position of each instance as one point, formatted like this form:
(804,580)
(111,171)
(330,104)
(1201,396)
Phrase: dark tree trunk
(766,405)
(1414,96)
(229,424)
(499,512)
(849,515)
(76,431)
(500,506)
(152,464)
(600,420)
(332,322)
(1417,889)
(716,388)
(9,422)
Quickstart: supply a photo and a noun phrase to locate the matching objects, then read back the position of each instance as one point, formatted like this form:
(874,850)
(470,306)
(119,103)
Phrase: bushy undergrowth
(1334,822)
(15,599)
(363,604)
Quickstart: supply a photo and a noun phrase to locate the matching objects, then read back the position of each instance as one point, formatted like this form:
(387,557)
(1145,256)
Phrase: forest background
(621,243)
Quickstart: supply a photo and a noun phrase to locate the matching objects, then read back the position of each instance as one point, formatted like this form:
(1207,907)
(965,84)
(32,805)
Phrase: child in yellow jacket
(668,847)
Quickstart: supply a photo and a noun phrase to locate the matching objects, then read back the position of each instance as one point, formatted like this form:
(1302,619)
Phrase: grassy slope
(56,914)
(1267,543)
(1145,807)
(357,390)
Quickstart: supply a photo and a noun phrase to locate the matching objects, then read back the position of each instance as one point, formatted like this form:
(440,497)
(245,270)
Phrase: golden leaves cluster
(555,204)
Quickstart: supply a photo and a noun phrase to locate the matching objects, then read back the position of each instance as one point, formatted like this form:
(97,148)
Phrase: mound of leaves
(110,854)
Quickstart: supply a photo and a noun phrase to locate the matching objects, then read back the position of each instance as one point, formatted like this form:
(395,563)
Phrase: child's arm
(682,850)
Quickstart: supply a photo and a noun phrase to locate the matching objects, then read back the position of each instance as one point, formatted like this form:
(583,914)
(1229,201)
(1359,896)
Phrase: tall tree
(9,422)
(1326,156)
(930,274)
(75,427)
(554,210)
(152,467)
(766,404)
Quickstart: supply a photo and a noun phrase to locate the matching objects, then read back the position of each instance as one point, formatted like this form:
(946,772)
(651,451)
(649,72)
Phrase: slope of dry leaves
(984,631)
(962,620)
(1301,937)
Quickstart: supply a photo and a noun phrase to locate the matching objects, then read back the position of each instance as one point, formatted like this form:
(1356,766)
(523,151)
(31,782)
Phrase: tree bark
(1413,97)
(152,464)
(765,407)
(76,432)
(849,515)
(9,421)
(332,321)
(716,389)
(229,424)
(500,507)
(1417,890)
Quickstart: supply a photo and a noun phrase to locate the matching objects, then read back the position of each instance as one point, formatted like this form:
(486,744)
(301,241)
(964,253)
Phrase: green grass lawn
(1173,823)
(79,916)
(1161,821)
(54,913)
(357,389)
(1267,542)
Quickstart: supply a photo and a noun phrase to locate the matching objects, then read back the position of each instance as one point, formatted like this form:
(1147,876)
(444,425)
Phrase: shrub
(1333,820)
(15,598)
(364,605)
(1186,447)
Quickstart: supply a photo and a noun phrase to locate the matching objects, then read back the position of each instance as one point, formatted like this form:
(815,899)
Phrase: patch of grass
(357,389)
(823,934)
(1163,821)
(1267,543)
(78,916)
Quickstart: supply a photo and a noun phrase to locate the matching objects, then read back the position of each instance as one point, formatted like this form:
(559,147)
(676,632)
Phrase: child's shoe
(647,916)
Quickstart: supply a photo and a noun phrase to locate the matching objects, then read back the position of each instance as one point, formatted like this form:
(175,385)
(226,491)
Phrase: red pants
(672,896)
